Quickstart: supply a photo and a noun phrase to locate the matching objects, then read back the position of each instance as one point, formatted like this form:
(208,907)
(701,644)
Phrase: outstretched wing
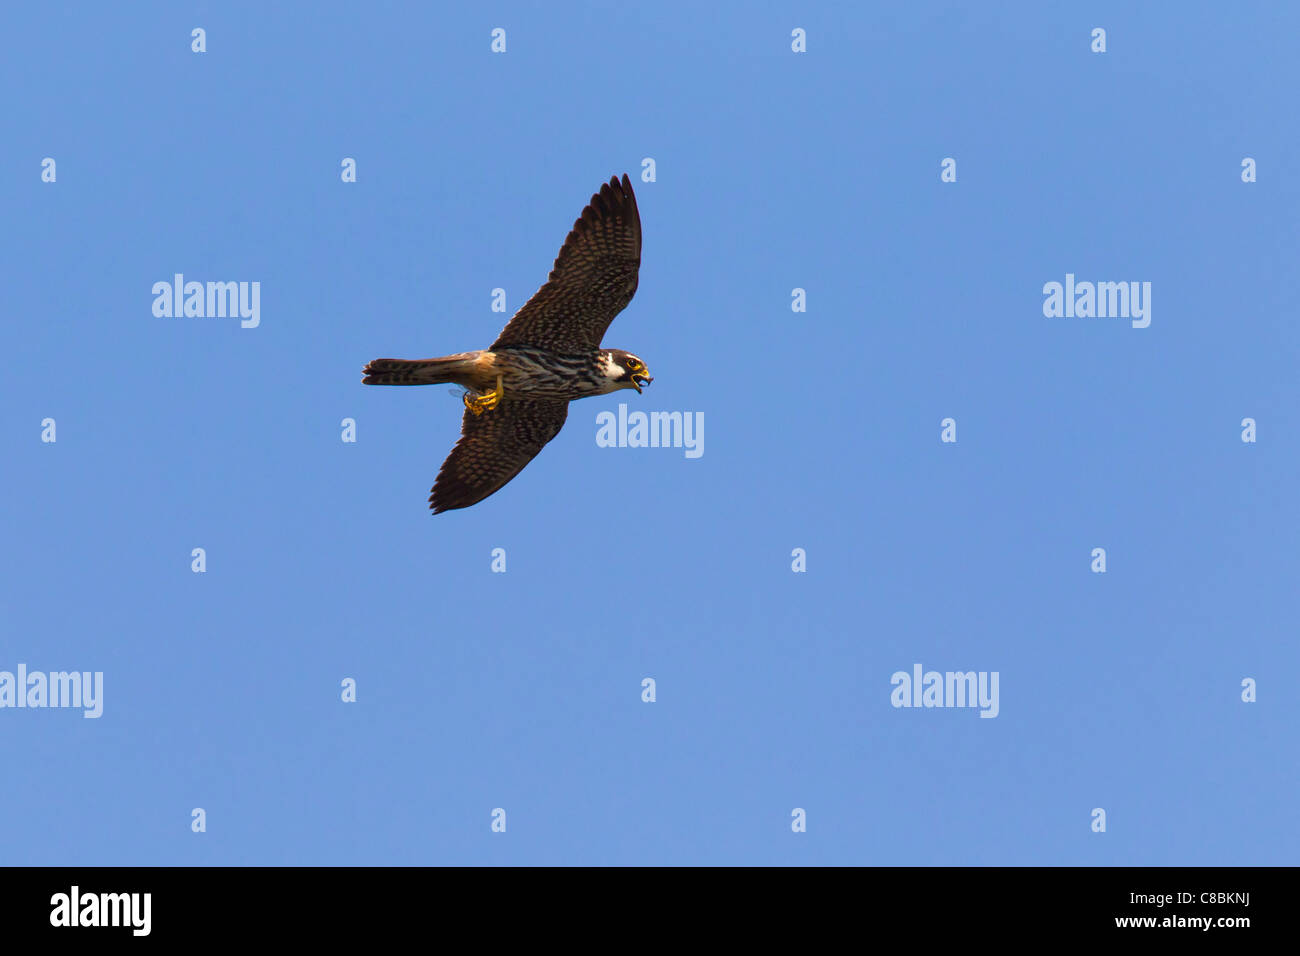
(595,276)
(493,448)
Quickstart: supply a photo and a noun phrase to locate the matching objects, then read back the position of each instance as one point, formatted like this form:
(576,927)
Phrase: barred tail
(432,371)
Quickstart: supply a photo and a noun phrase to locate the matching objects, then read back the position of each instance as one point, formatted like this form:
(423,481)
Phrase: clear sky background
(522,690)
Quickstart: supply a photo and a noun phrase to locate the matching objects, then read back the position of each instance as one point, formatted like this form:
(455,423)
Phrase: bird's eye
(633,365)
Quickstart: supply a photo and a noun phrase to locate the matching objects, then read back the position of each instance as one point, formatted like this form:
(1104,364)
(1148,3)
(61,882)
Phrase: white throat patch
(609,368)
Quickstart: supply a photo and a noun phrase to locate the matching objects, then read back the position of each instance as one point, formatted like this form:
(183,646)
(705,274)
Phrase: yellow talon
(486,401)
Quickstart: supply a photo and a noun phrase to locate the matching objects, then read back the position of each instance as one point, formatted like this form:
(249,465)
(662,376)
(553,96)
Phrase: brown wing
(493,448)
(595,276)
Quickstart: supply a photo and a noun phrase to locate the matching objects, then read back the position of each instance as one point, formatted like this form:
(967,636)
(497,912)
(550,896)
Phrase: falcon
(517,391)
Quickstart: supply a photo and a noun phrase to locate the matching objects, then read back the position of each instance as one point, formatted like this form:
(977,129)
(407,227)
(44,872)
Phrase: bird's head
(624,370)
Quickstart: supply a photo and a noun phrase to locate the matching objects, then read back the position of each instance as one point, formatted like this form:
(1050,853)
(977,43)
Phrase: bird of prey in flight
(518,390)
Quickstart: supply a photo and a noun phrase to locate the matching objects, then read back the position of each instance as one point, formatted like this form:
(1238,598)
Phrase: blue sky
(523,690)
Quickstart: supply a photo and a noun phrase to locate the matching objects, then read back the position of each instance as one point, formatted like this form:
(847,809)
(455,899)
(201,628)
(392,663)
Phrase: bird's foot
(486,401)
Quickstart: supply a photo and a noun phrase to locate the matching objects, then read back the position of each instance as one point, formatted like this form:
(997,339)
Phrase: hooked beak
(640,379)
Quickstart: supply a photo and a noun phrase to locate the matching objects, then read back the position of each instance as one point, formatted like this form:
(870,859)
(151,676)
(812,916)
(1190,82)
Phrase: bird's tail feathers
(432,371)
